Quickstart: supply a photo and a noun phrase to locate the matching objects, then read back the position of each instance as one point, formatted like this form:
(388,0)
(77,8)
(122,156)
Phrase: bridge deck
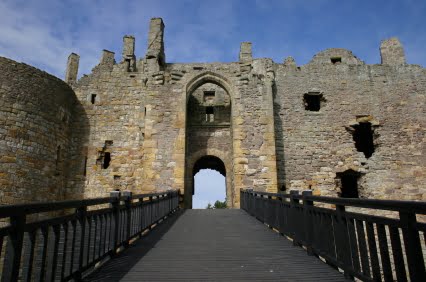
(214,245)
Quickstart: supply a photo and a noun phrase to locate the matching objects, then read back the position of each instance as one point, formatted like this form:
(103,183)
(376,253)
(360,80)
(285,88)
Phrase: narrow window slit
(93,99)
(85,166)
(58,161)
(107,160)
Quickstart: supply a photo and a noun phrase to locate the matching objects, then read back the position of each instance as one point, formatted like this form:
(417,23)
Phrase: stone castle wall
(142,124)
(390,97)
(36,113)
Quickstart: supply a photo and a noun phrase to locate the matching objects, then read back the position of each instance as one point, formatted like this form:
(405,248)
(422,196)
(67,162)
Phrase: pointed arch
(209,77)
(225,154)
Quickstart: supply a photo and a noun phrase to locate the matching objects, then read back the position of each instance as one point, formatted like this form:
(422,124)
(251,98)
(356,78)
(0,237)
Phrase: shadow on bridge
(123,263)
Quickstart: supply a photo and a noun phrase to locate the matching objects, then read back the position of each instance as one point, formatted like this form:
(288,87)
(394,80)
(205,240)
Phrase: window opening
(85,166)
(209,114)
(363,137)
(107,160)
(312,101)
(209,96)
(336,60)
(128,65)
(93,98)
(58,160)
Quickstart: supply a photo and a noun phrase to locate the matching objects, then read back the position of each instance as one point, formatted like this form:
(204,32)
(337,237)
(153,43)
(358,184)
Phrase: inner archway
(208,140)
(209,182)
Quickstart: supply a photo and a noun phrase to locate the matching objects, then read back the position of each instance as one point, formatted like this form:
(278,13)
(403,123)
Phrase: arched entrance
(213,190)
(208,140)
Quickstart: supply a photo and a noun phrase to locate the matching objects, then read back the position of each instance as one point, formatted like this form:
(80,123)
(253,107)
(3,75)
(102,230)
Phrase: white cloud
(44,32)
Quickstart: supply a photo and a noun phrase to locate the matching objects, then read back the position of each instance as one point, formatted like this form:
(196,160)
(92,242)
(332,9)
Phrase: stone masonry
(336,125)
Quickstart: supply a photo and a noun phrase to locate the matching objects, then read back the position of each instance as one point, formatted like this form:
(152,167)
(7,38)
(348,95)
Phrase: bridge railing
(61,248)
(363,244)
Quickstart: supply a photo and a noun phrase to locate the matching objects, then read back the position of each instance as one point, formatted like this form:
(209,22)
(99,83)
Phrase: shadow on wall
(279,142)
(37,130)
(78,153)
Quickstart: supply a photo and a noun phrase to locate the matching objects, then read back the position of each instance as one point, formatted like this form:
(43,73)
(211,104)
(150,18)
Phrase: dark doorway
(348,182)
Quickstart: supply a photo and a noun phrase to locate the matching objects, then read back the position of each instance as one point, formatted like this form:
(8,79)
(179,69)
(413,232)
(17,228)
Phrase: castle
(336,125)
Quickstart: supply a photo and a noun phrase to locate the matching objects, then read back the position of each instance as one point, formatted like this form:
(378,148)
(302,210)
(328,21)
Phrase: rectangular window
(336,60)
(312,101)
(209,96)
(209,114)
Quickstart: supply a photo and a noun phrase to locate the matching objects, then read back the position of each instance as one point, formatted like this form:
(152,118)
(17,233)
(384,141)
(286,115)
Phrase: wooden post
(128,204)
(82,218)
(151,207)
(307,206)
(115,203)
(12,260)
(413,248)
(341,237)
(293,216)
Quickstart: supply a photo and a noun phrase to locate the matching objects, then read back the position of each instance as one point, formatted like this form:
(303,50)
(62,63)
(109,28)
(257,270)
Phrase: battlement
(154,61)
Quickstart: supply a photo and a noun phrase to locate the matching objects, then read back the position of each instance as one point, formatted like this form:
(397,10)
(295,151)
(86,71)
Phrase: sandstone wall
(149,122)
(36,113)
(142,116)
(142,124)
(315,145)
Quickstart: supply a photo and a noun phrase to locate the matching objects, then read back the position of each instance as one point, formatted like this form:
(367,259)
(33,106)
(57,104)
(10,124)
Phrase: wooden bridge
(273,237)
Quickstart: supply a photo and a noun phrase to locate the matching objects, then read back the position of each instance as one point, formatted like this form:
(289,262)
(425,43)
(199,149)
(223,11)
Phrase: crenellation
(72,68)
(245,52)
(129,58)
(108,59)
(289,62)
(155,56)
(392,52)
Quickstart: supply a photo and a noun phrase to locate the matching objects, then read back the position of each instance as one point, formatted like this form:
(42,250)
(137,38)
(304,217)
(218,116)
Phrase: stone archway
(208,130)
(213,159)
(214,163)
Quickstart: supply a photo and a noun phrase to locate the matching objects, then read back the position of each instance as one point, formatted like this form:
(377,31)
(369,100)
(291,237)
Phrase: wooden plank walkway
(214,245)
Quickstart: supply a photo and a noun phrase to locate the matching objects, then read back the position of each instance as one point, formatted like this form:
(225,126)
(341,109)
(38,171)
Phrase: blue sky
(209,187)
(43,33)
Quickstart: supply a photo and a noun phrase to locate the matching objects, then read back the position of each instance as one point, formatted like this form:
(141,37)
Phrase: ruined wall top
(245,52)
(336,56)
(154,61)
(72,68)
(155,41)
(392,52)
